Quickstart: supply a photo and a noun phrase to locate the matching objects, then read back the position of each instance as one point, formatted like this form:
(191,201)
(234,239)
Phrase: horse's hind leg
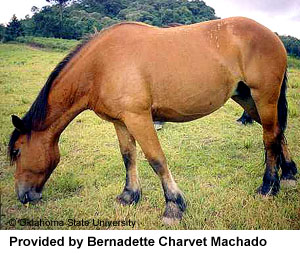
(272,108)
(243,97)
(132,192)
(141,127)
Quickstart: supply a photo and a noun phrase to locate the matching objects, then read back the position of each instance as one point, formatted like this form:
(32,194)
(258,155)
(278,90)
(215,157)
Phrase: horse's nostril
(28,193)
(24,199)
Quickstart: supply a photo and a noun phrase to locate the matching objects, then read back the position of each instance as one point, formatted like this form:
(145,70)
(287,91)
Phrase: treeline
(291,44)
(73,19)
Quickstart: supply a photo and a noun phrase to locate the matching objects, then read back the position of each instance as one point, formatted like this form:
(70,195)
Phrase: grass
(294,62)
(217,163)
(49,43)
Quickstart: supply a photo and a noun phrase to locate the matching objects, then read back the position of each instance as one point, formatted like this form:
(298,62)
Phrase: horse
(132,74)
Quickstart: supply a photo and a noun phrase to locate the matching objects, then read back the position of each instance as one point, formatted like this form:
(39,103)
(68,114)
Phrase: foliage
(61,5)
(13,29)
(81,17)
(2,31)
(60,2)
(292,45)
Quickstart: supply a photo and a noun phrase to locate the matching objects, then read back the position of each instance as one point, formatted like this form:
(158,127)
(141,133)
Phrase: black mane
(38,110)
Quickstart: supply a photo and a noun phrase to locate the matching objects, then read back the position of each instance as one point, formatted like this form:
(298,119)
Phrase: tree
(13,30)
(46,23)
(61,4)
(2,31)
(28,25)
(291,44)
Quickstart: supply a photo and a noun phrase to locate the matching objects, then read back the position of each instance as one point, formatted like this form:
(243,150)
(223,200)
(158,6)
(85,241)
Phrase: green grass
(49,43)
(217,163)
(294,62)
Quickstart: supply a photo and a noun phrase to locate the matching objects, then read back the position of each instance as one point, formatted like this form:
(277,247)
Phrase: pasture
(217,163)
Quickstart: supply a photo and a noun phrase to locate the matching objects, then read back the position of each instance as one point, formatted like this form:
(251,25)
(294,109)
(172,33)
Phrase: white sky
(18,7)
(282,16)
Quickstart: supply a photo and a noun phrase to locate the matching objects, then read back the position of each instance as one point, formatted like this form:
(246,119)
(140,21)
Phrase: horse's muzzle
(26,194)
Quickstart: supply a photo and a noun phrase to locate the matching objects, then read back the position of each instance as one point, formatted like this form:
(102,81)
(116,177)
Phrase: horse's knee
(159,166)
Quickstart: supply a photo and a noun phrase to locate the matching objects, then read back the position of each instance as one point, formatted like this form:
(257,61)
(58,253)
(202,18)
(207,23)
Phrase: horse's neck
(68,98)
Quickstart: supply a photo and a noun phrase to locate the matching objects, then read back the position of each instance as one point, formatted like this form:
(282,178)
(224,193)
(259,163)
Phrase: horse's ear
(18,123)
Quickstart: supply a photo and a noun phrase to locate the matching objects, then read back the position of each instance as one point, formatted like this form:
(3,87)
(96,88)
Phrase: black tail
(282,112)
(289,168)
(282,106)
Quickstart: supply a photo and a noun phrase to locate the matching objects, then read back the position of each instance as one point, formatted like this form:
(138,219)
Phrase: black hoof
(158,125)
(269,189)
(174,210)
(129,197)
(245,119)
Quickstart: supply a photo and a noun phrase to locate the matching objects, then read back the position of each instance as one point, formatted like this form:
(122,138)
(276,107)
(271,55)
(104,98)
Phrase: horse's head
(36,155)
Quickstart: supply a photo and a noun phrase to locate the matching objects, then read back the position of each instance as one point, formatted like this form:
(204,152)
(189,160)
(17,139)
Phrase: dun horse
(132,74)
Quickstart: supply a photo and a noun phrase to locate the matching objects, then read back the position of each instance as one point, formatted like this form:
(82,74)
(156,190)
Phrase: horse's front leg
(141,127)
(132,191)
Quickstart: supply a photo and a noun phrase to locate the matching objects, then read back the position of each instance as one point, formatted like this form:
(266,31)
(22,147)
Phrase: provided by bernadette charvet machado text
(164,240)
(148,241)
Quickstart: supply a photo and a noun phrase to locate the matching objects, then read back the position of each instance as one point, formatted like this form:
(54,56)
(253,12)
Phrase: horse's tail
(289,168)
(282,106)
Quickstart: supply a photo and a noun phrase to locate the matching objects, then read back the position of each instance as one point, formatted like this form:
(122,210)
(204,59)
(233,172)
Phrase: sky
(282,16)
(18,7)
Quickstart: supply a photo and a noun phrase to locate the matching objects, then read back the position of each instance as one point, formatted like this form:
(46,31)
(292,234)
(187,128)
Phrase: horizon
(278,15)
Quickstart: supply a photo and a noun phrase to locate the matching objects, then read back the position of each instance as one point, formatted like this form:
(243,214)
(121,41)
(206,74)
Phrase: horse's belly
(189,105)
(189,88)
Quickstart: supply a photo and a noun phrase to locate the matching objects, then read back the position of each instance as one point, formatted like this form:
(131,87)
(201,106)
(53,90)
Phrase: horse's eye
(15,152)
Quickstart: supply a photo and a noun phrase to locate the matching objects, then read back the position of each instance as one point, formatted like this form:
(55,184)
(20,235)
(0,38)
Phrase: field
(49,43)
(217,163)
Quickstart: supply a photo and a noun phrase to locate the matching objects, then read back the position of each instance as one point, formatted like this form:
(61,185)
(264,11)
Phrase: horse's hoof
(172,215)
(267,192)
(170,221)
(245,119)
(129,197)
(158,125)
(288,182)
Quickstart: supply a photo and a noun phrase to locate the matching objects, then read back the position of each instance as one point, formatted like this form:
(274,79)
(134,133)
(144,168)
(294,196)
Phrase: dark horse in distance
(132,74)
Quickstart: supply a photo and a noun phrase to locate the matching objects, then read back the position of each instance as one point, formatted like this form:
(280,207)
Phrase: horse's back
(196,67)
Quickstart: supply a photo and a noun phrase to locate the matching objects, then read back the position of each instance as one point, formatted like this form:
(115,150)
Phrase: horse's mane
(38,110)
